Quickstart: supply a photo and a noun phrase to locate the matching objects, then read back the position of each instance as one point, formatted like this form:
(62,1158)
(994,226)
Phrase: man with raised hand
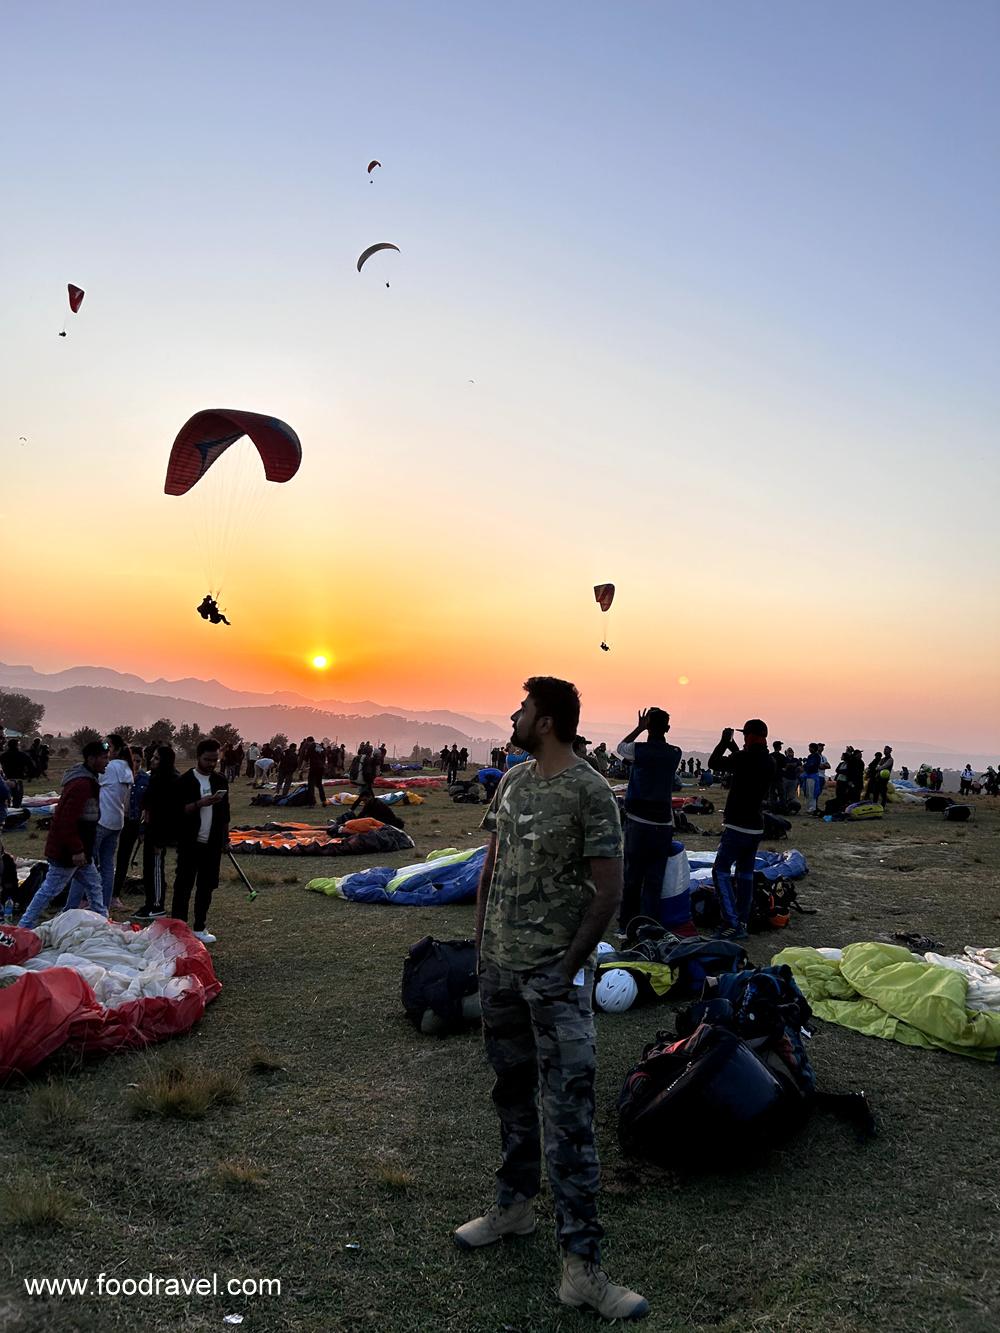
(751,773)
(551,883)
(649,814)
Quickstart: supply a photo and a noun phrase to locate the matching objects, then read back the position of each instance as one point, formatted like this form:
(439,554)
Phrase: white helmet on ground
(605,947)
(616,991)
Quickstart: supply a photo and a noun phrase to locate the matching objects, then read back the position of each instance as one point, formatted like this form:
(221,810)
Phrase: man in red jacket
(69,848)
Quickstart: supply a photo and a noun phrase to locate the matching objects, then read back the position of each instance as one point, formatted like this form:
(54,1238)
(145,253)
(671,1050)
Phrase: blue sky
(724,275)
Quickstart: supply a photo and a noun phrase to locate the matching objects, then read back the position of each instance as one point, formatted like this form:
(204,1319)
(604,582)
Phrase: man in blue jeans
(69,848)
(751,777)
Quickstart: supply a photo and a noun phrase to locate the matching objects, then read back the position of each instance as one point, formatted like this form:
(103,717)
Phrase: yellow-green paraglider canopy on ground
(883,990)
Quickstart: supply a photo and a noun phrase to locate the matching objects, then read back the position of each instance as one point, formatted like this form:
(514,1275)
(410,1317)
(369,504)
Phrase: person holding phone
(751,773)
(203,798)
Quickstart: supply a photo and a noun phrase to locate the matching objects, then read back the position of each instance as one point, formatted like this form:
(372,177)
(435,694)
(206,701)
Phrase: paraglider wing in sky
(208,434)
(372,165)
(76,295)
(373,249)
(604,593)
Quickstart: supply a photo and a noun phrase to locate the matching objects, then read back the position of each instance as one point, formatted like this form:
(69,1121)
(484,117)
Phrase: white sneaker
(204,936)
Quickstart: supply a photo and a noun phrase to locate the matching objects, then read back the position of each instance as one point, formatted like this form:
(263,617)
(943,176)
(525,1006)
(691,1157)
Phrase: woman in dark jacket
(161,819)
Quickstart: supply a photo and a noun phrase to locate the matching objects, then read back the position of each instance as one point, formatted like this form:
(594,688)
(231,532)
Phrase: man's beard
(530,743)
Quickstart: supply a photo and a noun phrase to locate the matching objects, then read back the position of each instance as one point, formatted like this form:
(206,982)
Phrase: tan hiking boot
(517,1220)
(585,1283)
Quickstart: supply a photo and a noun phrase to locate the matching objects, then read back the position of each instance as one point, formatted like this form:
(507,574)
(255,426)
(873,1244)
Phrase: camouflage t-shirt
(547,830)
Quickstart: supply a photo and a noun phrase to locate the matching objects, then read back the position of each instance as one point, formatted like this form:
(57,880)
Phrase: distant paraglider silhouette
(364,257)
(76,295)
(604,595)
(371,167)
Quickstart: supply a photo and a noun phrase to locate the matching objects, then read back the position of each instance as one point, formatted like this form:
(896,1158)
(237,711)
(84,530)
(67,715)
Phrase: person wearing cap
(649,814)
(69,847)
(751,772)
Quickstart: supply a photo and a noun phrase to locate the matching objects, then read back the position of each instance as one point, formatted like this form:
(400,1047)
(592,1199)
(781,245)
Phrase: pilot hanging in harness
(209,610)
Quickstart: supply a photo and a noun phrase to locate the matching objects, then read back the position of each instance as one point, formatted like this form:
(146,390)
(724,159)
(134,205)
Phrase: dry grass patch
(26,1201)
(181,1091)
(264,1060)
(239,1173)
(393,1177)
(54,1106)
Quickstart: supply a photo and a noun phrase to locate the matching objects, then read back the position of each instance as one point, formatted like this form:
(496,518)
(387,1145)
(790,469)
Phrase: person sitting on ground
(752,772)
(17,768)
(69,847)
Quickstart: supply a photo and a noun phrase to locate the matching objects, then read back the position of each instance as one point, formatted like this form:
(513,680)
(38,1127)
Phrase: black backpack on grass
(958,814)
(937,803)
(440,986)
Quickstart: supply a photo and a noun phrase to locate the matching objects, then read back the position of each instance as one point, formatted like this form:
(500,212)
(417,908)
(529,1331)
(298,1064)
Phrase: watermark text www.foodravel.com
(105,1284)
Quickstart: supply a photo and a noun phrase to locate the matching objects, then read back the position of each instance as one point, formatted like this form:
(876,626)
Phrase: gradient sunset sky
(725,278)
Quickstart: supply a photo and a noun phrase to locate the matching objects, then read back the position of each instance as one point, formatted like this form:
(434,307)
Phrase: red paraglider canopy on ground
(210,433)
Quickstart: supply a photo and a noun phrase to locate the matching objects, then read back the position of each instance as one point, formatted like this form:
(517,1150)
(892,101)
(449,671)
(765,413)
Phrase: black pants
(647,849)
(197,868)
(130,835)
(154,877)
(316,788)
(452,773)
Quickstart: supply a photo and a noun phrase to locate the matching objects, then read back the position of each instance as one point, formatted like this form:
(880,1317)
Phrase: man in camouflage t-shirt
(551,883)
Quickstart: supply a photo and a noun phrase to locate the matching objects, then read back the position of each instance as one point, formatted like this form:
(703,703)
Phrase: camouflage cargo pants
(539,1034)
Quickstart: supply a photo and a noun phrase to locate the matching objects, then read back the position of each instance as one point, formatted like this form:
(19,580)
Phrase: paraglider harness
(735,1081)
(209,610)
(770,909)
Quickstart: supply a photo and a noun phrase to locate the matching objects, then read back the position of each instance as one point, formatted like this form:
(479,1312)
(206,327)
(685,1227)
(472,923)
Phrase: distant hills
(103,698)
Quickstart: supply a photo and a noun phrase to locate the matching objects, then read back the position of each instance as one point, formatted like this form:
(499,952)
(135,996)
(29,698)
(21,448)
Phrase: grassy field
(339,1148)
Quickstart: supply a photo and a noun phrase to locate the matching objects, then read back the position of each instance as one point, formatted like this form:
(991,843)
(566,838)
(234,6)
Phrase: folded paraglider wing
(76,295)
(604,593)
(208,434)
(373,249)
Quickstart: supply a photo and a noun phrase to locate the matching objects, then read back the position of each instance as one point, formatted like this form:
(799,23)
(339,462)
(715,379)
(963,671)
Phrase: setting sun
(320,662)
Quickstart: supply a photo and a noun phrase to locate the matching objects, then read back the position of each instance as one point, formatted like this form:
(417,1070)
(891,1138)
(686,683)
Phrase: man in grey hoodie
(69,848)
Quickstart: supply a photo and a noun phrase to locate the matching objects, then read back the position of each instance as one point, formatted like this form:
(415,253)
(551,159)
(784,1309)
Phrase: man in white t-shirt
(253,754)
(203,801)
(116,782)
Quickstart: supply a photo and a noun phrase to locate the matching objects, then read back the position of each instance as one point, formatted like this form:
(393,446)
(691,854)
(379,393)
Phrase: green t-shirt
(547,831)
